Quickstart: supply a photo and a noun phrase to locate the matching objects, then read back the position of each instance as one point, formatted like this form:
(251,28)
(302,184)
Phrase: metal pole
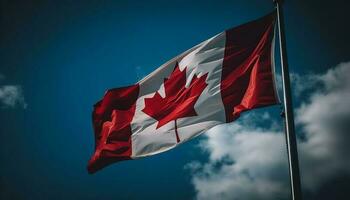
(288,108)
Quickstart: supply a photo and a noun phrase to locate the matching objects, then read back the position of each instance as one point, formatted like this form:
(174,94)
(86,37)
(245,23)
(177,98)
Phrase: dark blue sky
(65,54)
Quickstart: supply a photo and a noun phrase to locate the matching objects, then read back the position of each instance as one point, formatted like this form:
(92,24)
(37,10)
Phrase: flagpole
(288,109)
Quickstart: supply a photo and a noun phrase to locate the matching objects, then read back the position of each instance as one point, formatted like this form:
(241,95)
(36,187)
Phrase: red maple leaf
(178,101)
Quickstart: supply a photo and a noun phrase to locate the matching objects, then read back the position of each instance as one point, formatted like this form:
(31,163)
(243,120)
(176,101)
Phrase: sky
(58,58)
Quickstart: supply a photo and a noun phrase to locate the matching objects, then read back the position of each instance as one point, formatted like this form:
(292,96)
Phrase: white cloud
(250,162)
(325,119)
(11,95)
(240,164)
(303,83)
(300,83)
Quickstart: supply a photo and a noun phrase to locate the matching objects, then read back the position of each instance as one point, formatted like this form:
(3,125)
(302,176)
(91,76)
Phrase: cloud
(304,83)
(140,73)
(301,84)
(11,95)
(249,161)
(325,119)
(240,164)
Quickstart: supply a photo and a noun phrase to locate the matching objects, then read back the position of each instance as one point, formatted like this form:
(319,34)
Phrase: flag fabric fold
(209,84)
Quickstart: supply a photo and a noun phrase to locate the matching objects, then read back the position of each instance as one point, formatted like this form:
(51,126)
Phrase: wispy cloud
(304,83)
(300,83)
(11,95)
(140,73)
(247,161)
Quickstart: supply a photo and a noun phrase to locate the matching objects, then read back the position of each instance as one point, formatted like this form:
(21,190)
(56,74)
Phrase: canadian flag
(210,84)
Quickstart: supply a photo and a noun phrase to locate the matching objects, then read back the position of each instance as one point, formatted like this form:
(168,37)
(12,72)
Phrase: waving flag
(210,84)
